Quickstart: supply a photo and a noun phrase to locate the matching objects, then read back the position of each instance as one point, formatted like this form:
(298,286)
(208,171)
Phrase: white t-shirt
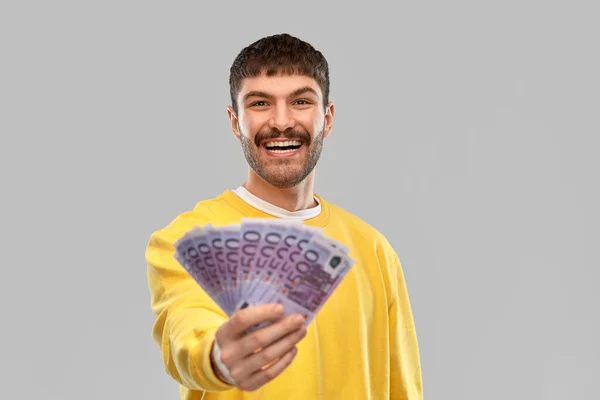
(269,208)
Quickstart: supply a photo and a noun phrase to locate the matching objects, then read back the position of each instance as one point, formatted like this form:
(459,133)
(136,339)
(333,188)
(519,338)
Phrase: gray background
(467,132)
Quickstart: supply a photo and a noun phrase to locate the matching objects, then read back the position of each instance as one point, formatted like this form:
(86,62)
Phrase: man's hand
(257,358)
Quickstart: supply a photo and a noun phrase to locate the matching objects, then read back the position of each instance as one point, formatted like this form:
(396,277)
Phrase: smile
(283,147)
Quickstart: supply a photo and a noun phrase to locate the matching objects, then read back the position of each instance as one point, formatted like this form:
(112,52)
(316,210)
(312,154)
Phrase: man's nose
(282,118)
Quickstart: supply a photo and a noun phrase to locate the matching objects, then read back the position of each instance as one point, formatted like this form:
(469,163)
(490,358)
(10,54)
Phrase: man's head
(280,111)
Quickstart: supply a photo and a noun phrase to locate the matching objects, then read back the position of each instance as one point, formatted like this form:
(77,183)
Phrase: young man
(362,344)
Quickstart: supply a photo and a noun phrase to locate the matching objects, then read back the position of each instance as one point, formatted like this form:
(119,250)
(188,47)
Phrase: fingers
(256,361)
(264,337)
(261,377)
(248,317)
(252,359)
(273,352)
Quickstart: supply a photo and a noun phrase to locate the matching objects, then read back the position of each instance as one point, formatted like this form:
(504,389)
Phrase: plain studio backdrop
(467,132)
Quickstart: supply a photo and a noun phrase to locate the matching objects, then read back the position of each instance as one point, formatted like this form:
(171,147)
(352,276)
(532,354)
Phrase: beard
(282,173)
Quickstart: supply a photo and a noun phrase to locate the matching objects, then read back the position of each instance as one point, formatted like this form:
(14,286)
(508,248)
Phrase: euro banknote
(264,260)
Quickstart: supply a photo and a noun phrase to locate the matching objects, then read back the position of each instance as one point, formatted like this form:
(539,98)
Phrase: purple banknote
(314,275)
(194,254)
(265,260)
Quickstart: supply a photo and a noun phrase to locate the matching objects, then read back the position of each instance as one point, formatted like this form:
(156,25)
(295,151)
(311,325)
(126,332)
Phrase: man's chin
(282,165)
(283,179)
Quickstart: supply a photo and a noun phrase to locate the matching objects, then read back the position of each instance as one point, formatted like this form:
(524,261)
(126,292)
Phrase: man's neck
(299,197)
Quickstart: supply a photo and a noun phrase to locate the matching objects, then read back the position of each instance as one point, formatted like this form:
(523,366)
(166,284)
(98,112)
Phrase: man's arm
(405,365)
(186,317)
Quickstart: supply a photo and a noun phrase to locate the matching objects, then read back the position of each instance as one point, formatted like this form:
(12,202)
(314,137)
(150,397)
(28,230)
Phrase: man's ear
(233,120)
(329,114)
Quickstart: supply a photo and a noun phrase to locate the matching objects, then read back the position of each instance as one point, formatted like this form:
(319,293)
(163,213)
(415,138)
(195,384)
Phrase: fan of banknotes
(261,261)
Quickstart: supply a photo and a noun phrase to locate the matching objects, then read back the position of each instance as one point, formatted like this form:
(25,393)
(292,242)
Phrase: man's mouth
(283,147)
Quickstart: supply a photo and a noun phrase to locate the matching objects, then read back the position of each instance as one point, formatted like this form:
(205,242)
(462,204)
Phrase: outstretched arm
(186,317)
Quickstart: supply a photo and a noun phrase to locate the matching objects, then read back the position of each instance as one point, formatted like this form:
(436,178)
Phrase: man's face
(281,124)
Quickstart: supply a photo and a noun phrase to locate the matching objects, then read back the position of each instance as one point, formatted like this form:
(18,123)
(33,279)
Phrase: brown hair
(278,54)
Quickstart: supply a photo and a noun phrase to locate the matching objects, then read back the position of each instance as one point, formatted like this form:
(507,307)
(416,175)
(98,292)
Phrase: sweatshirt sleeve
(186,317)
(405,365)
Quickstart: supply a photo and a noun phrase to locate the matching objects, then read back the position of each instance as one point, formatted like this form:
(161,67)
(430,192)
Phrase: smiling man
(362,344)
(292,106)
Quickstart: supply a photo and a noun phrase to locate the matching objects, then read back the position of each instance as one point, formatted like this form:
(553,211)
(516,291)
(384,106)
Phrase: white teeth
(284,144)
(282,151)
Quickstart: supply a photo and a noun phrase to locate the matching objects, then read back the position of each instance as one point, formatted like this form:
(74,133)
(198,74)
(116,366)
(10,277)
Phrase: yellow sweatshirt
(362,344)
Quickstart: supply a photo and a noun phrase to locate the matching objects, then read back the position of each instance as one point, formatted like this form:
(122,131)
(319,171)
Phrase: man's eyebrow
(258,93)
(304,90)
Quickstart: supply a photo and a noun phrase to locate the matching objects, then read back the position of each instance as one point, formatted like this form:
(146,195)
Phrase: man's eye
(302,102)
(259,103)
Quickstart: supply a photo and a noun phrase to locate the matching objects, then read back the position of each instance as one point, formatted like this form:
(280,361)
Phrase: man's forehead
(278,85)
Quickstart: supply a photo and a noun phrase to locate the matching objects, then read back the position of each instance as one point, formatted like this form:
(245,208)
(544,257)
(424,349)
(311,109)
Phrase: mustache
(287,134)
